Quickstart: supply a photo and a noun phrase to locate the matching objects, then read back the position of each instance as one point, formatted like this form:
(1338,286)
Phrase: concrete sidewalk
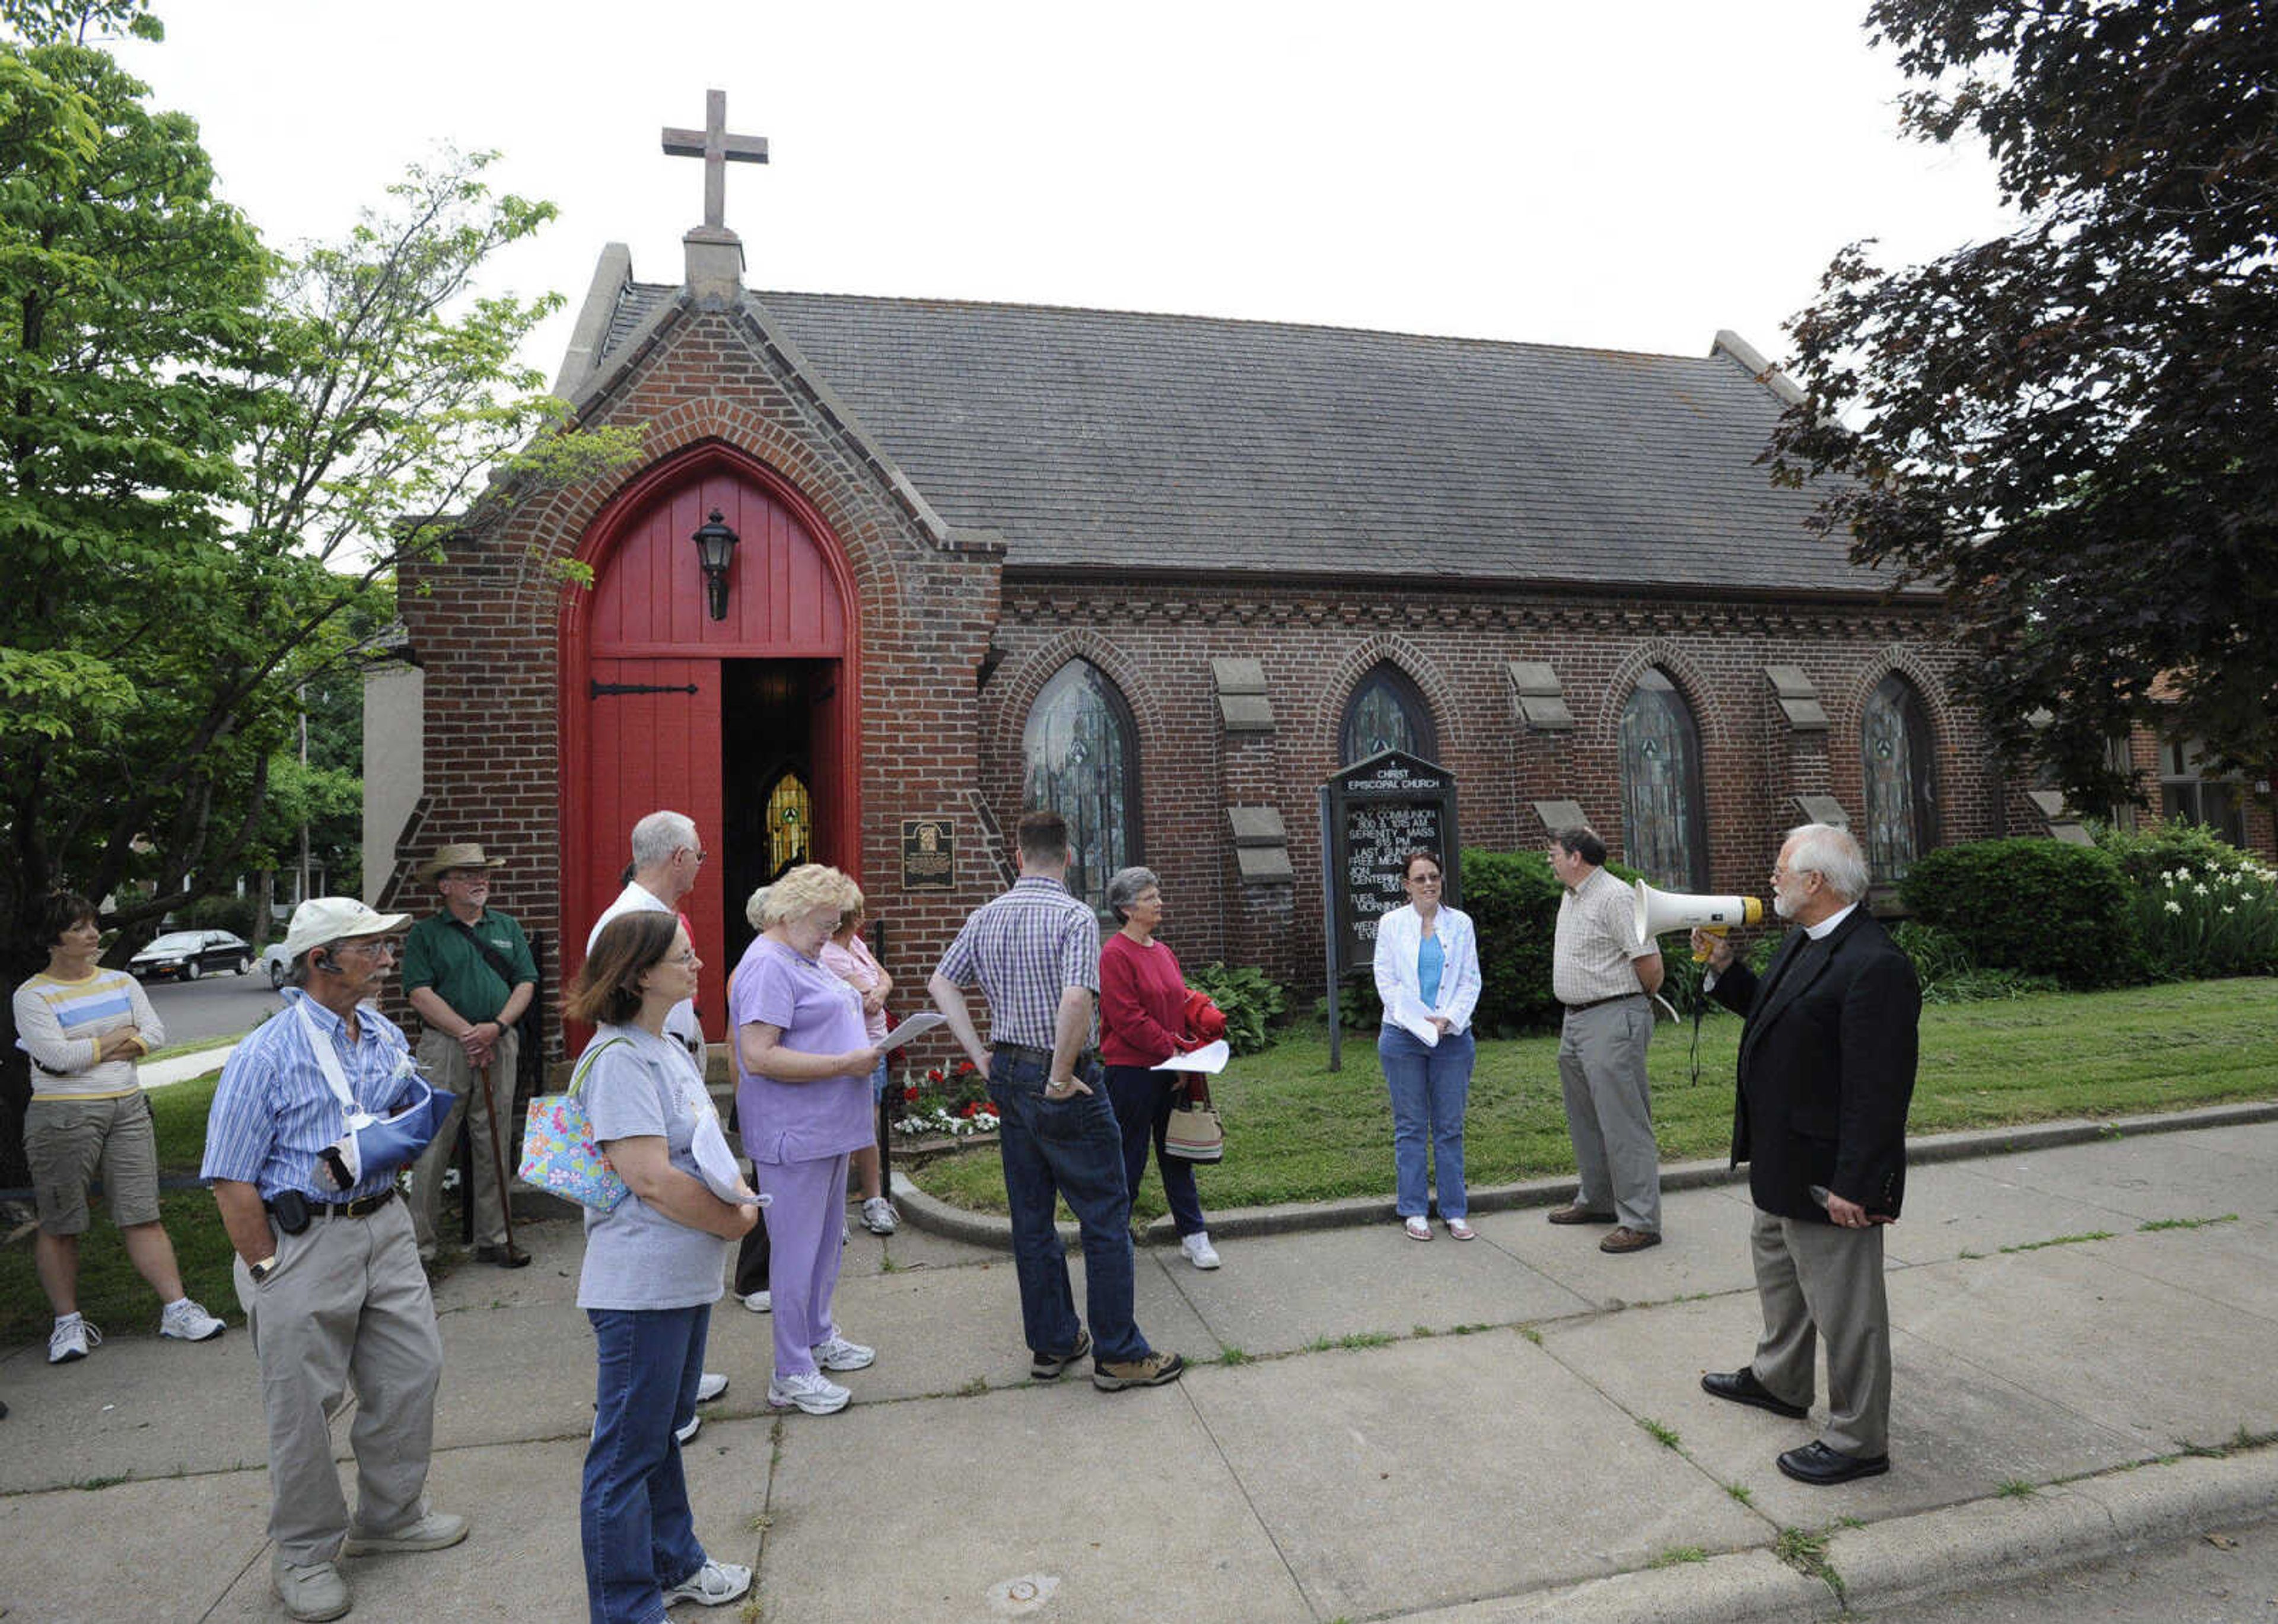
(1510,1429)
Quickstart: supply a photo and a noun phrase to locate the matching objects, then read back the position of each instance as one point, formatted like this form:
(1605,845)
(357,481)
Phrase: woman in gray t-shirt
(653,1272)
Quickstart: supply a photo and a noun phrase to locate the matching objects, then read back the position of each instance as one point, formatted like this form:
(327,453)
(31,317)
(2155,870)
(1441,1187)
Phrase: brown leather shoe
(508,1256)
(1574,1212)
(1622,1238)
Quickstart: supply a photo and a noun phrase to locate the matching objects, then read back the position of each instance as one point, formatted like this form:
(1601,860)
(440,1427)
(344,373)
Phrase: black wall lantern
(715,550)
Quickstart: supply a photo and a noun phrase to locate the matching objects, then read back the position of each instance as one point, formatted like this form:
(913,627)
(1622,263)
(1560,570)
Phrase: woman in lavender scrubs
(803,1064)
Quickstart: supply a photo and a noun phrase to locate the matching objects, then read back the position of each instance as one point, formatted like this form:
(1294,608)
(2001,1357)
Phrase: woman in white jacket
(1427,973)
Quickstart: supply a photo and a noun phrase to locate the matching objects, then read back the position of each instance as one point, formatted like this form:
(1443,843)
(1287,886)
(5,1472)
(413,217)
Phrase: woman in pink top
(1143,997)
(848,958)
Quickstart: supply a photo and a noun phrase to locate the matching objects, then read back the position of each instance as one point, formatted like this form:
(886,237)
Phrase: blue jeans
(634,1517)
(1143,1102)
(1071,1150)
(1430,1089)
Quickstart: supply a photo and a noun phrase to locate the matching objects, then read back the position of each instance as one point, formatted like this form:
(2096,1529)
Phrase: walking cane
(498,1155)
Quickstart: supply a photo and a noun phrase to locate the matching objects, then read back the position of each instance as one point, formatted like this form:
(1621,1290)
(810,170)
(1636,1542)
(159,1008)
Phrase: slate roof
(1111,440)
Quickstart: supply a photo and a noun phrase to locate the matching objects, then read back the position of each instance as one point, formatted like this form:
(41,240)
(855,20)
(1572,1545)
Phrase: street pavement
(1461,1434)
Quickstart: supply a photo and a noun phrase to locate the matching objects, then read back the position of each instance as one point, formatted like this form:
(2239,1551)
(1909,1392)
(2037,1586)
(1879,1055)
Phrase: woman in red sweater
(1142,1000)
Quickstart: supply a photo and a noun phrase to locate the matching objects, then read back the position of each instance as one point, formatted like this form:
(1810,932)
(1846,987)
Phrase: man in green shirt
(469,975)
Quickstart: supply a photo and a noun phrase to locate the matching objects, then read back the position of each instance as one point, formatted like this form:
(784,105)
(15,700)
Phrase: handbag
(1195,1133)
(558,1153)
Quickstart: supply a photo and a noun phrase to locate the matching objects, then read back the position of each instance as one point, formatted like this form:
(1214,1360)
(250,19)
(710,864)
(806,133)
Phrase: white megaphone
(1658,913)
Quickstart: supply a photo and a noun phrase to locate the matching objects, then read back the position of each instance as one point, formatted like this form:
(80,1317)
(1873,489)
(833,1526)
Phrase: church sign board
(1372,814)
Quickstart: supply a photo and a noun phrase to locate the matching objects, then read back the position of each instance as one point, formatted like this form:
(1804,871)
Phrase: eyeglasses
(697,852)
(375,949)
(687,961)
(1423,880)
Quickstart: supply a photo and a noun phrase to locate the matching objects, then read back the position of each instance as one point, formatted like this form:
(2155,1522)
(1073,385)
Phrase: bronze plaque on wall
(929,854)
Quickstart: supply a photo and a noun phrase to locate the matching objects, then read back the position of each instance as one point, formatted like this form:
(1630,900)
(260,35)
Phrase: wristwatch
(263,1270)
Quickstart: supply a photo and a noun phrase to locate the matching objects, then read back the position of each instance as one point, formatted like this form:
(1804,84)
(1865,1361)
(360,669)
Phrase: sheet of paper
(912,1027)
(1412,1017)
(1210,1058)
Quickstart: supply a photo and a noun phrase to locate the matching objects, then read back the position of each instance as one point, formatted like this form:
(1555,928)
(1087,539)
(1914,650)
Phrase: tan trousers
(1818,1282)
(346,1306)
(443,1063)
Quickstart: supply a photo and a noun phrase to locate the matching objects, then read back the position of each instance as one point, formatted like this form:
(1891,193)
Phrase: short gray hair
(755,910)
(1126,888)
(297,971)
(657,837)
(1832,854)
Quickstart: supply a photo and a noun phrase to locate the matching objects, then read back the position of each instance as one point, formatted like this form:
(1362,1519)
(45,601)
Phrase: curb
(1908,1561)
(937,1217)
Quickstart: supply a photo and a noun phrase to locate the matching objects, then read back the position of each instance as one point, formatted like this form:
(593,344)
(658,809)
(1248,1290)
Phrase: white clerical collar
(1826,926)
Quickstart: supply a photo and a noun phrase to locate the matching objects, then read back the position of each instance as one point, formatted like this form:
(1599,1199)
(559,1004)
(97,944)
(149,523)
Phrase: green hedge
(2036,906)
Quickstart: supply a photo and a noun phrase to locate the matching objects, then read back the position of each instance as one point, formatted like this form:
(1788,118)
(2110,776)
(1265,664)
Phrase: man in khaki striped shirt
(1602,973)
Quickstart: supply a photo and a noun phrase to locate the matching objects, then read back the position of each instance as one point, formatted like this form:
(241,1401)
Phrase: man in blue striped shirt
(330,1278)
(1034,954)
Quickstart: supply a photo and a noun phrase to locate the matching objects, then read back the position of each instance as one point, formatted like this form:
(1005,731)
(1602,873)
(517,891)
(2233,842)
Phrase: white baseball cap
(333,919)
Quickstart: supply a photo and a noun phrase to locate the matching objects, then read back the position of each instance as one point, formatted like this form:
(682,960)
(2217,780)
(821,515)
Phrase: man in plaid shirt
(1034,954)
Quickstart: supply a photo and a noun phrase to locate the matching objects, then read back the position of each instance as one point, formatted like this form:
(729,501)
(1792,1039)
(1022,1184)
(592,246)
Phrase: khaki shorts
(68,1141)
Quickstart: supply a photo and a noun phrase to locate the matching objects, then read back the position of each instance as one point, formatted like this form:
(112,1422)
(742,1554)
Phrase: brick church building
(1164,574)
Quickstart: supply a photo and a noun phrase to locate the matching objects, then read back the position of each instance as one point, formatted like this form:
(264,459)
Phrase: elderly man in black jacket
(1827,1069)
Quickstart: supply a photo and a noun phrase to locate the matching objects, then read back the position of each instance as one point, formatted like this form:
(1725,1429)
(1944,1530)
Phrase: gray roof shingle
(1103,439)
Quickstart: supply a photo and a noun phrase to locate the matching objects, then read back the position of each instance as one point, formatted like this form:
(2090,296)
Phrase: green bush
(229,913)
(1949,975)
(1359,1007)
(2155,849)
(1251,1001)
(2038,907)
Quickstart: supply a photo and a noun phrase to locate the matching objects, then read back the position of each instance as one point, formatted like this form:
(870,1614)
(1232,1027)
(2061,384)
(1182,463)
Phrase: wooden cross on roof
(718,150)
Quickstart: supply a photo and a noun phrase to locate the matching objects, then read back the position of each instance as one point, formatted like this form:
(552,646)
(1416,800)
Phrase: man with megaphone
(1826,1072)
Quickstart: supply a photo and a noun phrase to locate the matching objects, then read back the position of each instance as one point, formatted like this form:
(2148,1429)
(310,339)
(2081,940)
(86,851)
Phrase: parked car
(274,962)
(190,954)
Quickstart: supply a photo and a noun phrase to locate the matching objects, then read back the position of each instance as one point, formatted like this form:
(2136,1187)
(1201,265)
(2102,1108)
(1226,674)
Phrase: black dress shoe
(1741,1387)
(1816,1463)
(508,1256)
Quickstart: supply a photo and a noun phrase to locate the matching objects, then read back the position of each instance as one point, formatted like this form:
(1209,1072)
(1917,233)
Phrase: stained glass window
(1083,756)
(791,825)
(1662,823)
(1899,762)
(1387,713)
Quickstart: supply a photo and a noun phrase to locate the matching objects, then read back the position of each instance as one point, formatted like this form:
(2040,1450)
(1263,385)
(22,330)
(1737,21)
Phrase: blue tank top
(1431,958)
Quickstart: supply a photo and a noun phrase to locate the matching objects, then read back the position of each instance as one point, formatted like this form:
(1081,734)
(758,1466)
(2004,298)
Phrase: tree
(206,451)
(2074,427)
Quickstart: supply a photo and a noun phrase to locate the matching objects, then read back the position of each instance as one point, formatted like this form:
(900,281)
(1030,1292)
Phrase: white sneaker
(435,1531)
(189,1322)
(710,1385)
(714,1584)
(840,1355)
(70,1339)
(878,1215)
(687,1434)
(760,1302)
(815,1392)
(1198,1249)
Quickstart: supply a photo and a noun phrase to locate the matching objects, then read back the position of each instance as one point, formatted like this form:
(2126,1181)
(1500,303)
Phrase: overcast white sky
(1633,175)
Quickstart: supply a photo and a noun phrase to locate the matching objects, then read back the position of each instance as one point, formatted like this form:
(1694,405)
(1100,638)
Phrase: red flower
(972,1106)
(909,1094)
(965,1068)
(935,1076)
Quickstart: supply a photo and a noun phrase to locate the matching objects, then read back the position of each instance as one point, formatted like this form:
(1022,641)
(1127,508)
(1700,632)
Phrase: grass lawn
(1296,1131)
(111,1295)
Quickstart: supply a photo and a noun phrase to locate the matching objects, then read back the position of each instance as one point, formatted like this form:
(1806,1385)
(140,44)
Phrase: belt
(1042,1056)
(1575,1008)
(363,1206)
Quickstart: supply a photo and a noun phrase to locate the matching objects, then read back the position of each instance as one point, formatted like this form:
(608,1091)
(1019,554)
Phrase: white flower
(2227,907)
(2174,906)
